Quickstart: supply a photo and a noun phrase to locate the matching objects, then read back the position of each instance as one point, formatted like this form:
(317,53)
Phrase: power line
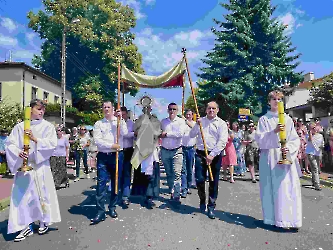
(77,63)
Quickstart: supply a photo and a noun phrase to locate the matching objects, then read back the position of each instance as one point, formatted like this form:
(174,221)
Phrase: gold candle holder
(283,135)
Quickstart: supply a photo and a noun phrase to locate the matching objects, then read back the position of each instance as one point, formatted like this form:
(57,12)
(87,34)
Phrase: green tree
(89,93)
(251,57)
(189,104)
(10,114)
(321,93)
(94,44)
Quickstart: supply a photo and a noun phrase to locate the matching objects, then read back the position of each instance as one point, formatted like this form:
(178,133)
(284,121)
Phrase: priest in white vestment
(280,188)
(33,197)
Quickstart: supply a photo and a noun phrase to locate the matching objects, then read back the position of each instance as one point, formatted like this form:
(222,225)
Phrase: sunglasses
(83,129)
(171,109)
(251,126)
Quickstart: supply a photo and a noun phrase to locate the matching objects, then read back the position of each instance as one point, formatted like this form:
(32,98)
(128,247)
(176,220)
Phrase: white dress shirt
(175,131)
(129,137)
(187,140)
(105,134)
(215,133)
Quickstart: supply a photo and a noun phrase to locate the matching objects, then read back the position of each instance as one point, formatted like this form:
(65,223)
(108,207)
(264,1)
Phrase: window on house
(34,77)
(45,96)
(56,99)
(33,93)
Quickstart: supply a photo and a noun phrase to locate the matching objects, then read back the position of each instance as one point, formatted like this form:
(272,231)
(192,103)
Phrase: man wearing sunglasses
(215,132)
(173,129)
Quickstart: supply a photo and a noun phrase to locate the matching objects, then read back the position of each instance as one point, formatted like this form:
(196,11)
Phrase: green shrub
(10,114)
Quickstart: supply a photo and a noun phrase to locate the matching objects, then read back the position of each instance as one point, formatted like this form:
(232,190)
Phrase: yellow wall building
(20,83)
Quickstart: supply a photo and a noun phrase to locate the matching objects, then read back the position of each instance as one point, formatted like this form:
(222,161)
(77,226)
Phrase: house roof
(29,68)
(313,83)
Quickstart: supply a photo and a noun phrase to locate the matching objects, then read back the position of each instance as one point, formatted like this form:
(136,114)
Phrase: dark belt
(186,147)
(109,153)
(127,149)
(202,152)
(172,149)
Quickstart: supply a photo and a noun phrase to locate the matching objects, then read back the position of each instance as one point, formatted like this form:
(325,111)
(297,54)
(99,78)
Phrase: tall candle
(283,134)
(27,116)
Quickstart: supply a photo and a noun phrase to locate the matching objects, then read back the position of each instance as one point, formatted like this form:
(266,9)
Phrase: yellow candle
(194,117)
(283,134)
(27,116)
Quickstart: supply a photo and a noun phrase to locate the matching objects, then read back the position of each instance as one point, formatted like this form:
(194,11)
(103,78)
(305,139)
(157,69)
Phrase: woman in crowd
(230,159)
(238,142)
(252,151)
(59,158)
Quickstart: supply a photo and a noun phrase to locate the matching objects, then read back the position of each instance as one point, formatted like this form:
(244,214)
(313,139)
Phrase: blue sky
(164,27)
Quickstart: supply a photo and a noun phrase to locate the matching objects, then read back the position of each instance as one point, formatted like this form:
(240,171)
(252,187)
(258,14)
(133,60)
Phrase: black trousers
(201,168)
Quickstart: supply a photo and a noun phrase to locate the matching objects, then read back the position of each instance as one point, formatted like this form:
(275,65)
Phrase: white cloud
(24,54)
(150,2)
(8,23)
(7,41)
(160,54)
(136,5)
(289,21)
(30,36)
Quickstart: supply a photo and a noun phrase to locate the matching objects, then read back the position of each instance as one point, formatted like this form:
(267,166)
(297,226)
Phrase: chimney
(309,77)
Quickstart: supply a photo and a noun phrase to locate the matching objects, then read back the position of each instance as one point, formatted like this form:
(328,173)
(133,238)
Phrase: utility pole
(63,78)
(63,74)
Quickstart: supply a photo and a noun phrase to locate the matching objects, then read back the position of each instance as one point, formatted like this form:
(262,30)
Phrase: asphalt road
(238,224)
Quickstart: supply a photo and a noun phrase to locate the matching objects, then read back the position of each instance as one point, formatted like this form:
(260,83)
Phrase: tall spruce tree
(251,57)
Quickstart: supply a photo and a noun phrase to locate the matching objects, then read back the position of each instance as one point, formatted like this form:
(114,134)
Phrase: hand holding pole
(197,111)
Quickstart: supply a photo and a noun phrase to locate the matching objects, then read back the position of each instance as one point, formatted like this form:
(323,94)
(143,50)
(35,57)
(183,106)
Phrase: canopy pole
(118,132)
(197,111)
(123,94)
(183,97)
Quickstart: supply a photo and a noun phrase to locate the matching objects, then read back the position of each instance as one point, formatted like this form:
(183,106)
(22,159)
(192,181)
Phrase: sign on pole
(243,114)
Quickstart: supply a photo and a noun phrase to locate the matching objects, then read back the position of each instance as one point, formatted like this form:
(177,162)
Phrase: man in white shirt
(173,129)
(128,152)
(215,132)
(188,155)
(105,134)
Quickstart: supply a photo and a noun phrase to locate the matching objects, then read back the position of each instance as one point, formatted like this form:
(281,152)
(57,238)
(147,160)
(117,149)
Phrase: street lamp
(63,74)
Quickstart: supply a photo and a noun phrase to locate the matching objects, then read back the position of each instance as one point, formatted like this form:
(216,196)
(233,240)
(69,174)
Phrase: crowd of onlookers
(241,155)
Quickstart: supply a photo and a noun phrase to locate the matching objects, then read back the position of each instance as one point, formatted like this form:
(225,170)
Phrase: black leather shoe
(150,204)
(203,208)
(113,213)
(211,214)
(126,202)
(98,219)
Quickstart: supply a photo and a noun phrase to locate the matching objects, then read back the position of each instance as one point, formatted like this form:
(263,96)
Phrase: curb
(4,203)
(326,183)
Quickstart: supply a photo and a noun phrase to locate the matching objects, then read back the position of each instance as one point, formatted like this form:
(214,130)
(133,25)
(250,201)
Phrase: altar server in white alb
(280,188)
(34,197)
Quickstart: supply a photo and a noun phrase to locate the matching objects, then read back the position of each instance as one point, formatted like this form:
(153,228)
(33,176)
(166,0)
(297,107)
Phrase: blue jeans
(201,175)
(173,161)
(127,170)
(188,161)
(106,170)
(85,162)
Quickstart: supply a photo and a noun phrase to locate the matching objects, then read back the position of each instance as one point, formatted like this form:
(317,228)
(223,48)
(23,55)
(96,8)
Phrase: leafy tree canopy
(94,44)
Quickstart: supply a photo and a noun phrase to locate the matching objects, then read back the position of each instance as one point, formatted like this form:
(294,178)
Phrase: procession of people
(129,154)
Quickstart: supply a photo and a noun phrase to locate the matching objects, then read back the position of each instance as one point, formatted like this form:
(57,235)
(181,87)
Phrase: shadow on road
(246,221)
(86,207)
